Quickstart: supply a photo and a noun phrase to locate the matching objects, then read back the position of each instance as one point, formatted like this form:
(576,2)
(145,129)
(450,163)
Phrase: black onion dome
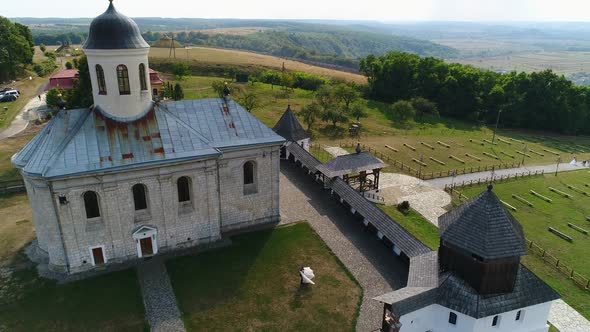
(113,30)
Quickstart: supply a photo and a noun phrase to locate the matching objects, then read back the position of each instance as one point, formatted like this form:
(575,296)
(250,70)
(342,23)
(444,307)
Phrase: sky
(380,10)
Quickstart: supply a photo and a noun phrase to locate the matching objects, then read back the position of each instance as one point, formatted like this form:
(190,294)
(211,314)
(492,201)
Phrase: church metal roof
(84,141)
(482,226)
(112,31)
(289,127)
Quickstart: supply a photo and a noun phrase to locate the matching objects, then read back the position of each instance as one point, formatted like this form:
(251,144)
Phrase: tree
(346,94)
(424,106)
(403,111)
(76,63)
(249,101)
(69,65)
(53,97)
(42,47)
(358,109)
(80,96)
(332,110)
(310,114)
(180,70)
(15,48)
(178,94)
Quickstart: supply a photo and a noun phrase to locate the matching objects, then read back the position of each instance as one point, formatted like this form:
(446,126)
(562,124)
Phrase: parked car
(10,92)
(7,98)
(6,89)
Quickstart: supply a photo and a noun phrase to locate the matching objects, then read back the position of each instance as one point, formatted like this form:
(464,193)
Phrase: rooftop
(112,23)
(289,127)
(482,226)
(85,141)
(351,163)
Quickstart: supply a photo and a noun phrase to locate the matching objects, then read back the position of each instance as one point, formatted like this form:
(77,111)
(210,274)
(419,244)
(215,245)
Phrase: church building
(130,178)
(475,282)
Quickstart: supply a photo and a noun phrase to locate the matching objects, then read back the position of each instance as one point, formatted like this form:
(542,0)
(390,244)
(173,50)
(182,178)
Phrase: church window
(139,197)
(519,315)
(453,318)
(249,172)
(123,79)
(142,79)
(102,86)
(496,320)
(184,190)
(91,204)
(249,178)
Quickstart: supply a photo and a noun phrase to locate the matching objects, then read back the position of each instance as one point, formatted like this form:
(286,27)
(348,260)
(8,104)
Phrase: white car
(10,92)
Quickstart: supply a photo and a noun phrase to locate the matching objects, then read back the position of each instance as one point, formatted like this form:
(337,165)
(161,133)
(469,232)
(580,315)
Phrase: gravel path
(21,122)
(158,297)
(370,262)
(563,167)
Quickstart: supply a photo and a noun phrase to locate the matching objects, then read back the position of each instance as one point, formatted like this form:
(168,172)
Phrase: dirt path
(21,121)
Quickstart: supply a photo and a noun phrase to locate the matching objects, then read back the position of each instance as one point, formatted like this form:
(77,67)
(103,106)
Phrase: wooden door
(146,246)
(98,256)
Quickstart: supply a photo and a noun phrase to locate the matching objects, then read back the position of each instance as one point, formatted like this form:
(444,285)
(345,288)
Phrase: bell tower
(118,64)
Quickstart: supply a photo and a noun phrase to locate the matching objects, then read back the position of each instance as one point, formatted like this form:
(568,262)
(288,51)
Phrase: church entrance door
(98,256)
(146,246)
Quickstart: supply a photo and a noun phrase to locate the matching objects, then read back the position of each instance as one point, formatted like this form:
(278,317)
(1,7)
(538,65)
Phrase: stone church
(129,177)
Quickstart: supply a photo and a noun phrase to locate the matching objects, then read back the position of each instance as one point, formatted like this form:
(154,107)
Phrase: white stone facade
(120,106)
(219,202)
(436,318)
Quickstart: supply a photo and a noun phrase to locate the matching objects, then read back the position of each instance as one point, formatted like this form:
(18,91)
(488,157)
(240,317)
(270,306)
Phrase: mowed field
(565,63)
(233,57)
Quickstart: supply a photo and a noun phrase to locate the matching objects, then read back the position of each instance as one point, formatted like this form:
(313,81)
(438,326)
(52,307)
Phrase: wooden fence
(569,272)
(10,187)
(421,174)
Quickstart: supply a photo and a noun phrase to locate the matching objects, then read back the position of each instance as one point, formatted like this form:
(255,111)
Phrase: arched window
(184,189)
(102,86)
(91,204)
(142,80)
(123,79)
(139,197)
(249,172)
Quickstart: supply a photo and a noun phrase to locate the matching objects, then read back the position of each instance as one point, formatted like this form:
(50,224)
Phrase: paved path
(567,319)
(158,297)
(21,122)
(563,167)
(370,262)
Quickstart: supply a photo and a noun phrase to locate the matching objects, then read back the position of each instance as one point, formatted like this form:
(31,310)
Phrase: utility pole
(496,128)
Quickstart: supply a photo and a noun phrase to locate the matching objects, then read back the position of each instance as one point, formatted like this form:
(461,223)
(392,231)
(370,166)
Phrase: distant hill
(165,42)
(340,44)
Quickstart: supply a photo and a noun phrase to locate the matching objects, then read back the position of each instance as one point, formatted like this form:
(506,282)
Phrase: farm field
(561,62)
(260,289)
(220,57)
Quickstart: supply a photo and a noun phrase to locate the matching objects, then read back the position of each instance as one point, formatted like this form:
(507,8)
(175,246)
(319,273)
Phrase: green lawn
(108,303)
(253,285)
(28,89)
(415,224)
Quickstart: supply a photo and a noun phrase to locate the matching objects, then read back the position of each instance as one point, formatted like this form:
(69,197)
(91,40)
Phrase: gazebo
(360,170)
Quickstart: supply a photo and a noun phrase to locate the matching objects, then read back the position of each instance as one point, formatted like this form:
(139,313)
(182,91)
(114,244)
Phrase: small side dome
(113,30)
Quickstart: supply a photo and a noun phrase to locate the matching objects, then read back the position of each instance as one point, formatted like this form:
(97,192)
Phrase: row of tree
(541,101)
(16,48)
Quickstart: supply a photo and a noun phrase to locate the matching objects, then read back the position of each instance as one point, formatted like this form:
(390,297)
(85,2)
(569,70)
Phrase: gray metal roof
(350,163)
(454,293)
(86,141)
(390,229)
(289,127)
(305,157)
(482,226)
(113,30)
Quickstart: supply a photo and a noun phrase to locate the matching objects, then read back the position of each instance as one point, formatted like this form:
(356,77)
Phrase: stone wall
(240,208)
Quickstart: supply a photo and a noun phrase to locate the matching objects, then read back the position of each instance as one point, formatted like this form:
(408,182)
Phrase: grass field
(9,147)
(16,227)
(254,285)
(28,89)
(107,303)
(222,57)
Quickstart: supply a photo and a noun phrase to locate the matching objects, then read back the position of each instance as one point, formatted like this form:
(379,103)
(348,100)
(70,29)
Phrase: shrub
(404,207)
